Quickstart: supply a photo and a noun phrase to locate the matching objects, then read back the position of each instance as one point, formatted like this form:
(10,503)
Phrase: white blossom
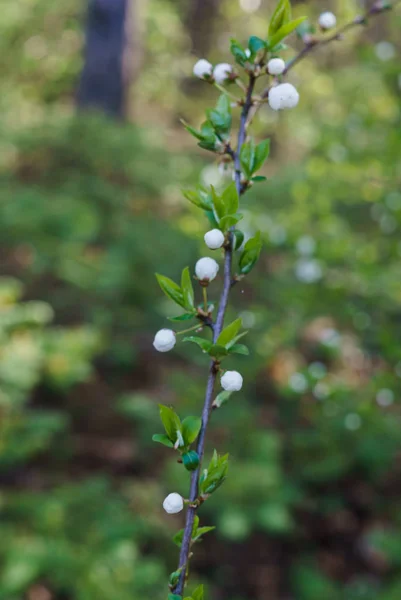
(173,503)
(164,340)
(327,20)
(203,68)
(206,269)
(275,66)
(222,72)
(214,239)
(283,96)
(232,381)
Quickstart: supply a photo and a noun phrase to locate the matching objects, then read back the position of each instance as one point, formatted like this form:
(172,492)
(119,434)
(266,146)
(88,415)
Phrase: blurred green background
(90,208)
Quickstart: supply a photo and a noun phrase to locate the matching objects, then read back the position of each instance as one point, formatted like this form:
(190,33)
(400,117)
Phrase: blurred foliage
(89,209)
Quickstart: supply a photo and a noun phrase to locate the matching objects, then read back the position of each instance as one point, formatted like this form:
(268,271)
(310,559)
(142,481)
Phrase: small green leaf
(184,317)
(221,398)
(235,340)
(198,593)
(238,52)
(229,333)
(247,157)
(262,151)
(201,342)
(229,221)
(284,31)
(196,134)
(190,460)
(202,531)
(174,597)
(218,205)
(258,48)
(164,439)
(238,239)
(250,254)
(199,198)
(171,289)
(214,475)
(305,28)
(190,429)
(280,17)
(174,577)
(171,422)
(259,178)
(230,199)
(187,289)
(217,351)
(177,537)
(239,349)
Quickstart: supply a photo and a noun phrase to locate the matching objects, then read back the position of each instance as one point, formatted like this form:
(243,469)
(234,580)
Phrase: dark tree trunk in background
(102,84)
(201,23)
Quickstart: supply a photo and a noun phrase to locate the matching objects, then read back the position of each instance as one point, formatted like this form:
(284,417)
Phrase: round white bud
(173,503)
(206,269)
(164,340)
(222,72)
(203,68)
(283,96)
(275,66)
(327,20)
(248,53)
(232,381)
(214,239)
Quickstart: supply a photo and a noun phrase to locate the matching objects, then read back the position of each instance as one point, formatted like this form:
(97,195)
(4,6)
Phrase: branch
(214,366)
(312,43)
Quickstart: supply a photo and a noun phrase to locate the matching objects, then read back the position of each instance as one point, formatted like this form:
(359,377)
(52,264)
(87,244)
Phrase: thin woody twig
(214,366)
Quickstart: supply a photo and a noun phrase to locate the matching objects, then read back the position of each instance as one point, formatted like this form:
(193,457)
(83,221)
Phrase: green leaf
(280,17)
(177,537)
(212,219)
(238,239)
(218,205)
(214,475)
(229,221)
(187,289)
(174,577)
(202,531)
(262,151)
(220,117)
(230,199)
(194,339)
(190,429)
(184,317)
(171,289)
(196,134)
(284,31)
(190,460)
(235,340)
(164,439)
(238,52)
(221,398)
(171,422)
(198,593)
(259,178)
(217,351)
(258,47)
(239,349)
(229,333)
(199,198)
(247,157)
(174,597)
(250,254)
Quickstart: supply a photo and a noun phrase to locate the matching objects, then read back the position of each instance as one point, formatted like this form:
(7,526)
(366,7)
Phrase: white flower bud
(327,20)
(283,96)
(206,269)
(214,239)
(164,340)
(275,66)
(248,53)
(222,72)
(203,68)
(173,503)
(232,381)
